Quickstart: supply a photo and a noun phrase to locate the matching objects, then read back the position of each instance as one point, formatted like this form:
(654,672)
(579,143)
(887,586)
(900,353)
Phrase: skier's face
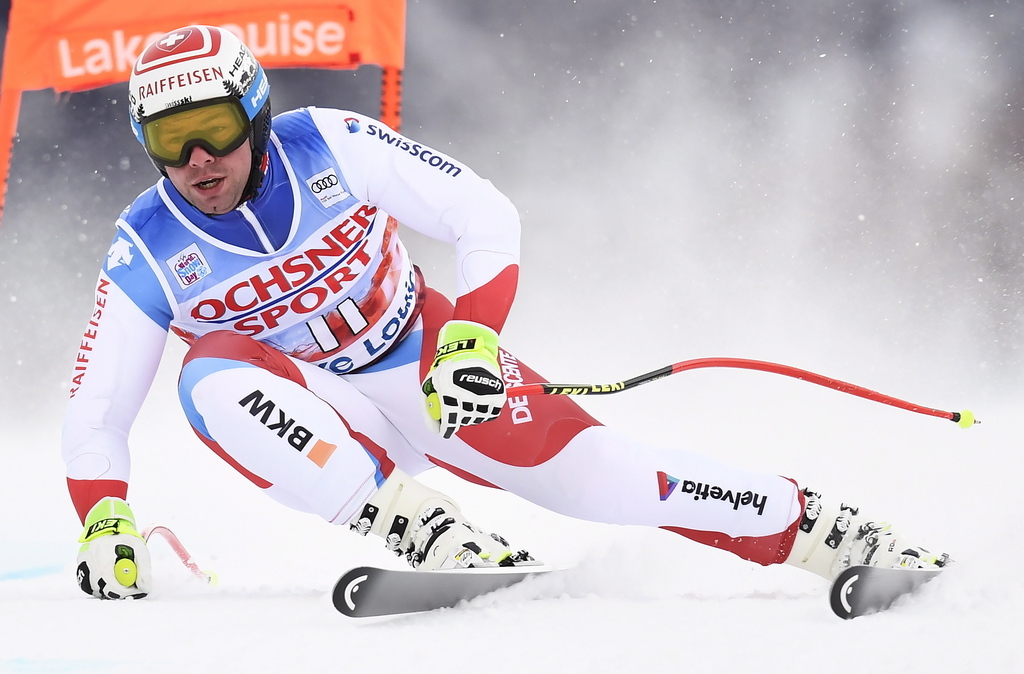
(212,184)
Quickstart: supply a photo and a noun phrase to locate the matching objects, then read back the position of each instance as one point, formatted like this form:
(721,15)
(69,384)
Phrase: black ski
(863,590)
(370,591)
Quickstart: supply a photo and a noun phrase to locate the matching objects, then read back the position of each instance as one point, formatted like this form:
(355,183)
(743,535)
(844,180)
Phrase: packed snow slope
(637,600)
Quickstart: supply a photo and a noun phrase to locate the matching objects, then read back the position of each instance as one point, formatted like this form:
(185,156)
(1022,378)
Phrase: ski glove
(113,562)
(464,385)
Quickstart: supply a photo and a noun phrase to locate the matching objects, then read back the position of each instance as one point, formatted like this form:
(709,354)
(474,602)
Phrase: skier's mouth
(208,184)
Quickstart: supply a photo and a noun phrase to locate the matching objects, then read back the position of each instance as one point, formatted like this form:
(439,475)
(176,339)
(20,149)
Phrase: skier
(323,368)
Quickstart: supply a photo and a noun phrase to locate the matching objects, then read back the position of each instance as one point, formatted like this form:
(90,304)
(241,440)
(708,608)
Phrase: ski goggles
(219,126)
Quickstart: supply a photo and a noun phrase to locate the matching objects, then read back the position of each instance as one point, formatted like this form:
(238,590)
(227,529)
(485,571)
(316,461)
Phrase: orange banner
(72,45)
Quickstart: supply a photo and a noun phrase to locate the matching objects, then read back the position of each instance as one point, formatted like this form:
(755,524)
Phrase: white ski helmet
(200,85)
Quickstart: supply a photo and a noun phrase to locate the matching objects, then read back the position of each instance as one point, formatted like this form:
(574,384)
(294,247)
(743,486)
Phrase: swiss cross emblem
(171,40)
(179,45)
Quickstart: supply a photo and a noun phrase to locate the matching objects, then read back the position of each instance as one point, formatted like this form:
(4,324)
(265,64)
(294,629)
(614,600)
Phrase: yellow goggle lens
(220,128)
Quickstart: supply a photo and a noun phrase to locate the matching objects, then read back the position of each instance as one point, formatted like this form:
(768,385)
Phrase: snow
(636,600)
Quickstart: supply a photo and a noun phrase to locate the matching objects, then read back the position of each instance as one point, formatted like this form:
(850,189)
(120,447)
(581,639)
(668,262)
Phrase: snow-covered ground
(638,599)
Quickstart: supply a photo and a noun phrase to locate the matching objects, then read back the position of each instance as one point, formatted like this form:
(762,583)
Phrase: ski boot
(831,539)
(428,528)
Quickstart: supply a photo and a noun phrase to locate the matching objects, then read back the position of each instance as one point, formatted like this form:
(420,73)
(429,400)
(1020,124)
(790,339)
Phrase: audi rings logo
(327,187)
(324,183)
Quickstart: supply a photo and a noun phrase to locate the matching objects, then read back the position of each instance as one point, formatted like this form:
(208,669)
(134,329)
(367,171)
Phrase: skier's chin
(216,208)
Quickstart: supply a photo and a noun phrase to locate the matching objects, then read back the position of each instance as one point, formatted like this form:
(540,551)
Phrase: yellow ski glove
(464,385)
(113,562)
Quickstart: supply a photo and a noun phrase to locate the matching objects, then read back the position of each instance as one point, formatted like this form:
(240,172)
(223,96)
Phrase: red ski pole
(179,549)
(964,419)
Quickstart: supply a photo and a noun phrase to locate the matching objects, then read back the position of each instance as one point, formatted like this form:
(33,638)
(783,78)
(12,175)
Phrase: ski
(368,591)
(863,590)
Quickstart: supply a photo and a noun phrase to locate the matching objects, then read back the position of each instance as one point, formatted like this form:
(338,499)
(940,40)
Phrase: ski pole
(179,549)
(964,419)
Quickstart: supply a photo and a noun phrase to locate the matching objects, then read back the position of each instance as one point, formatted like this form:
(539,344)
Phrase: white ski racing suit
(310,331)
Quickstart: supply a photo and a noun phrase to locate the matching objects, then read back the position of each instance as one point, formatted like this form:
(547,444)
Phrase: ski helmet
(200,85)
